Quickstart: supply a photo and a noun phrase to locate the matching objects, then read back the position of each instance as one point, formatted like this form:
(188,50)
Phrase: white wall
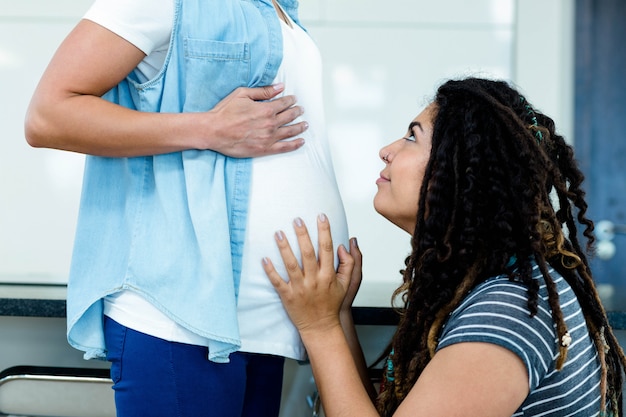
(39,189)
(382,61)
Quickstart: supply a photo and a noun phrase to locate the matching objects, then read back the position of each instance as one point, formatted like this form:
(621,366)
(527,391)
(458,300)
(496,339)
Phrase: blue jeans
(153,377)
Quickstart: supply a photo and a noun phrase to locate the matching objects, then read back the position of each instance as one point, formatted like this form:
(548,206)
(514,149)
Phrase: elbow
(31,135)
(35,131)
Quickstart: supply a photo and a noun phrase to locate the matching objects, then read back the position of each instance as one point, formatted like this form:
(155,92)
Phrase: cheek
(410,191)
(402,202)
(409,204)
(410,187)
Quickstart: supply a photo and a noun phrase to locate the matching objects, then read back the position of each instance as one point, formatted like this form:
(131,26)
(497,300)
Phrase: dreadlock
(496,172)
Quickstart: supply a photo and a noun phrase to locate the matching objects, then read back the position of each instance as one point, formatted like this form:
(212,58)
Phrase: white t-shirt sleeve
(147,24)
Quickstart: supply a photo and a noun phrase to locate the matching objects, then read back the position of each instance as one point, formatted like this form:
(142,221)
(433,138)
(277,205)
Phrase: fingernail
(280,235)
(265,261)
(298,221)
(278,86)
(322,217)
(355,243)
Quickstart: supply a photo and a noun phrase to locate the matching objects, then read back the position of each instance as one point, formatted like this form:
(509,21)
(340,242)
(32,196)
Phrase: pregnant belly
(283,191)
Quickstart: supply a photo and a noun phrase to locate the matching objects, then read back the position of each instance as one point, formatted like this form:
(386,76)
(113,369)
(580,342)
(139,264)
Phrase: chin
(409,228)
(381,210)
(378,208)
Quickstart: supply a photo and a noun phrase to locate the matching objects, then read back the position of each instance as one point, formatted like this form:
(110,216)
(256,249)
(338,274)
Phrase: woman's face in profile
(401,179)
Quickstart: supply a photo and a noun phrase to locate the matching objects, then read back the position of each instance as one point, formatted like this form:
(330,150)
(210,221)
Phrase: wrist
(202,129)
(321,329)
(321,335)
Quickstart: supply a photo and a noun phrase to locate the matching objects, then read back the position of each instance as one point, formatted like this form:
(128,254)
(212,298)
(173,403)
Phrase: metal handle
(314,403)
(606,229)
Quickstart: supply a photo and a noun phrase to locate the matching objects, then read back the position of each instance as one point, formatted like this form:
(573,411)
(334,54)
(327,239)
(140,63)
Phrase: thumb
(346,265)
(265,93)
(355,251)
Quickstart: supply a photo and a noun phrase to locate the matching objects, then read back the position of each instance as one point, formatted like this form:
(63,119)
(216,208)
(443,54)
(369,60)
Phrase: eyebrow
(415,123)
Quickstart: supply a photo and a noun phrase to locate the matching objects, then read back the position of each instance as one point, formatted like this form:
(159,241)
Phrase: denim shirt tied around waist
(171,227)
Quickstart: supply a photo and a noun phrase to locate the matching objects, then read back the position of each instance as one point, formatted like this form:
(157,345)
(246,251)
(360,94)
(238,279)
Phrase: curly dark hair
(500,183)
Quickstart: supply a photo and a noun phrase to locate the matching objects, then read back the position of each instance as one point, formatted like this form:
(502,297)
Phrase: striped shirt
(496,312)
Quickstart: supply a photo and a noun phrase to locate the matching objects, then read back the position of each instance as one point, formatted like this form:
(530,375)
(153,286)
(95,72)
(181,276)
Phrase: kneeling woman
(500,314)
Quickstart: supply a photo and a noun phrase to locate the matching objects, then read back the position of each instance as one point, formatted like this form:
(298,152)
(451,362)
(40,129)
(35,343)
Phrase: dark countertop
(32,300)
(36,300)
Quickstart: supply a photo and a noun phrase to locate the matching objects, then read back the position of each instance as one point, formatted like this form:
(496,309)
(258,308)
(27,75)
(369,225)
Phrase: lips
(382,179)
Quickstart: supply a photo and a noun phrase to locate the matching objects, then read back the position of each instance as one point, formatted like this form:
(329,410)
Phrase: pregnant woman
(169,99)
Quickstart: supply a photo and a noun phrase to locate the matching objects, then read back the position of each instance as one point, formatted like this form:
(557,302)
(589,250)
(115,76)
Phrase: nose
(384,154)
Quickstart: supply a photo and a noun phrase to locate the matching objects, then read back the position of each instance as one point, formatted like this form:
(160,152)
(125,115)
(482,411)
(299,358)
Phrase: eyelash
(410,137)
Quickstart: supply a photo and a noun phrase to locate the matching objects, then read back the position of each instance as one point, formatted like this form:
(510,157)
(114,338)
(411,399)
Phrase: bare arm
(67,112)
(468,379)
(478,379)
(347,321)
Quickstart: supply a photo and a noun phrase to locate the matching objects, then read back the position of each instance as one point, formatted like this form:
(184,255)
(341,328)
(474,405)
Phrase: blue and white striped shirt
(496,312)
